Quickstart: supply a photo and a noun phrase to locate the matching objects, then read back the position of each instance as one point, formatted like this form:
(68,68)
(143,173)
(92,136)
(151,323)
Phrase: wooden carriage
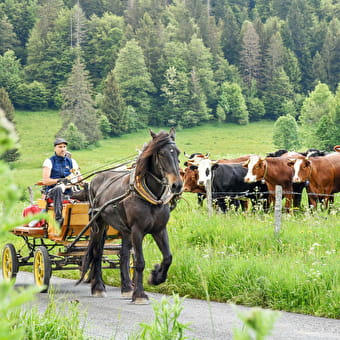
(51,248)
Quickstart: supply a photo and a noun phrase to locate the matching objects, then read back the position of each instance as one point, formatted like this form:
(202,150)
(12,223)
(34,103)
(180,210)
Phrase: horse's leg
(95,253)
(138,296)
(160,271)
(126,284)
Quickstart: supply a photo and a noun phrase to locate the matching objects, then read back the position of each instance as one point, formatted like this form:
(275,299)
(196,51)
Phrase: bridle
(143,190)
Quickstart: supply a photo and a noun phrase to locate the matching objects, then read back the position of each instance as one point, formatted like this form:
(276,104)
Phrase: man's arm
(46,180)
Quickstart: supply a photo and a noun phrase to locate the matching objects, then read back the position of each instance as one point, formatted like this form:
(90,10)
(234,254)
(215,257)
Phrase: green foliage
(105,127)
(165,325)
(10,298)
(285,134)
(33,96)
(8,39)
(278,92)
(10,302)
(233,103)
(6,104)
(76,139)
(133,79)
(257,324)
(113,106)
(319,103)
(104,39)
(79,107)
(255,107)
(60,320)
(10,73)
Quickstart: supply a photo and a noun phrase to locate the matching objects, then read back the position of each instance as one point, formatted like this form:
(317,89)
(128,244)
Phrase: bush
(33,96)
(76,139)
(105,126)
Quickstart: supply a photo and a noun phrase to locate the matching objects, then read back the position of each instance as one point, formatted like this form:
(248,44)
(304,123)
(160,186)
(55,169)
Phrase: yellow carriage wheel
(42,268)
(10,263)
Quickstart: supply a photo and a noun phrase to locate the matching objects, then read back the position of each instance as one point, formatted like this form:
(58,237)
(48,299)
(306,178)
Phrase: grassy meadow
(228,258)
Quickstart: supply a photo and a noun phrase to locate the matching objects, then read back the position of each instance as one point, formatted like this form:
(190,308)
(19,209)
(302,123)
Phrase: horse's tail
(93,253)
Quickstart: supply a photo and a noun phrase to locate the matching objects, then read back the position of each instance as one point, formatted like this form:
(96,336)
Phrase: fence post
(278,209)
(209,196)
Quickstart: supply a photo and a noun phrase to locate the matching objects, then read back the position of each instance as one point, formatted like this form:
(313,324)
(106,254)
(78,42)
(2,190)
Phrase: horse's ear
(172,133)
(153,135)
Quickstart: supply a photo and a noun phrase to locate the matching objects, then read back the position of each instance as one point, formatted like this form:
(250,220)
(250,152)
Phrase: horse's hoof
(141,301)
(99,294)
(127,295)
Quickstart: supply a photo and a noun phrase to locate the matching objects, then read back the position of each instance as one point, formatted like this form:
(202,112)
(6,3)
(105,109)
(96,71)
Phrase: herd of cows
(252,178)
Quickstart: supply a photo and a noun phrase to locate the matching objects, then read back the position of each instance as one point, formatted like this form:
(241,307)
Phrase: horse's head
(160,157)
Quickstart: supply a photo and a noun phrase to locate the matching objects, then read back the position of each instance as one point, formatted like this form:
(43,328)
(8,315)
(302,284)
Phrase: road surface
(115,318)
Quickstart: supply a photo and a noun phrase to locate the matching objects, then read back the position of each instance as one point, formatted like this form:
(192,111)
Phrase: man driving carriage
(56,176)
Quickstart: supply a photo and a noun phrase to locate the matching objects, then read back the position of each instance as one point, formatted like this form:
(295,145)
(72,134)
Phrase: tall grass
(237,254)
(243,262)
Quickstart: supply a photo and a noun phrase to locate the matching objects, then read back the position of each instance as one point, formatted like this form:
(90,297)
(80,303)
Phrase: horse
(136,202)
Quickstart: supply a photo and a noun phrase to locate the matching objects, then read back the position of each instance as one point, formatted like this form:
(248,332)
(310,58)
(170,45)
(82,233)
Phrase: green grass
(37,132)
(234,257)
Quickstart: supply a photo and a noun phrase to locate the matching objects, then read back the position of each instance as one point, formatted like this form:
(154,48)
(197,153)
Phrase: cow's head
(190,180)
(204,171)
(302,169)
(256,169)
(194,158)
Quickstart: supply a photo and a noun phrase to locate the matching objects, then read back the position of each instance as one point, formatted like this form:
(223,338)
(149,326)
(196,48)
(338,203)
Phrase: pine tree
(50,56)
(250,54)
(331,54)
(230,39)
(8,39)
(102,43)
(113,106)
(78,106)
(134,80)
(278,92)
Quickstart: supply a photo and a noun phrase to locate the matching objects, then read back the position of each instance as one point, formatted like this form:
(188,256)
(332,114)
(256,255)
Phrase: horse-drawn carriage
(50,248)
(136,202)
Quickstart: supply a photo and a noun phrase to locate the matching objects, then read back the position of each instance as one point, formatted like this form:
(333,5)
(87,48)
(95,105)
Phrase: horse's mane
(143,161)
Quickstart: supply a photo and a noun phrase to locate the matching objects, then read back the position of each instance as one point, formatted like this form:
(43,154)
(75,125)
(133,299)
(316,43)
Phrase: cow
(275,171)
(190,176)
(321,174)
(200,171)
(337,148)
(190,184)
(227,182)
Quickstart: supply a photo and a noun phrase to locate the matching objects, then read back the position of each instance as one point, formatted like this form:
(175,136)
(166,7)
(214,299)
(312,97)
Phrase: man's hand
(64,181)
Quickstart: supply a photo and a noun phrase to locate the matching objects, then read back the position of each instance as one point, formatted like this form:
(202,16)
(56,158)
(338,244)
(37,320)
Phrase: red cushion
(33,210)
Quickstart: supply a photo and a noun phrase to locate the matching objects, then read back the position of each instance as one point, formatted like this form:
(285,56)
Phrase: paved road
(114,318)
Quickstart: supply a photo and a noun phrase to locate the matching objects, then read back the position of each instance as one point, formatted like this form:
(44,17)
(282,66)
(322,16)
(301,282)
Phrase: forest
(116,66)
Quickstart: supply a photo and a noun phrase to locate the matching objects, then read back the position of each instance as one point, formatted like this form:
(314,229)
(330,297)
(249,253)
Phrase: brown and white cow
(275,171)
(321,174)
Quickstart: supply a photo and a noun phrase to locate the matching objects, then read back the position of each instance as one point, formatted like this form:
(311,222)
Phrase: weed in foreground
(60,320)
(165,326)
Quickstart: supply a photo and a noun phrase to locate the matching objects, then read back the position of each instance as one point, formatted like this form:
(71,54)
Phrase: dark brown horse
(135,202)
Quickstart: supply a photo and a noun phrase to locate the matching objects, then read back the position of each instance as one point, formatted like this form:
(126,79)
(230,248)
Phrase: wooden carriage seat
(75,219)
